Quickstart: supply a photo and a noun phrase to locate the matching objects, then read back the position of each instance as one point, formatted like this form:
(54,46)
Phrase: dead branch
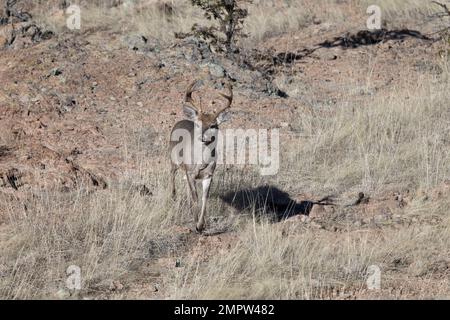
(443,6)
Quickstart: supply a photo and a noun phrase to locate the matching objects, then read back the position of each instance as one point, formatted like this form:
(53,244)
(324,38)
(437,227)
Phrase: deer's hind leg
(192,188)
(173,172)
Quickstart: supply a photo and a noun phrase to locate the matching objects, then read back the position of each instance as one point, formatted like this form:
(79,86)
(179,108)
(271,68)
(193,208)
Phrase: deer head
(206,122)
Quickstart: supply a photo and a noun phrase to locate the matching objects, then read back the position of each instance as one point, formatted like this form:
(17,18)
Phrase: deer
(199,132)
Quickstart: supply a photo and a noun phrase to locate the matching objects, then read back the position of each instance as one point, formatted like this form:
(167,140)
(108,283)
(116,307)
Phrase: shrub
(230,16)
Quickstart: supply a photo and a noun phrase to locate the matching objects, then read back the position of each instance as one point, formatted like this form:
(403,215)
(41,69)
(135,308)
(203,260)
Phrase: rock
(368,220)
(299,218)
(55,72)
(128,4)
(36,99)
(136,42)
(439,266)
(357,223)
(62,294)
(326,54)
(141,43)
(68,104)
(317,211)
(5,35)
(316,225)
(3,41)
(329,209)
(304,219)
(285,86)
(216,70)
(417,268)
(116,286)
(333,229)
(24,99)
(29,34)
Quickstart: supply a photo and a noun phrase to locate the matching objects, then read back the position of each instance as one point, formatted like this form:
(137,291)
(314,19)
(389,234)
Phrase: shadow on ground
(366,37)
(349,40)
(270,201)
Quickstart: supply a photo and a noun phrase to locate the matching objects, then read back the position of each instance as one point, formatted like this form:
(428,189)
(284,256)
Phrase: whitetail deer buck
(198,133)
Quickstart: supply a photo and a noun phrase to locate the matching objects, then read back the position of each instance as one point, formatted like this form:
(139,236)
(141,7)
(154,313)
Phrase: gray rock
(216,70)
(326,54)
(62,294)
(417,268)
(357,223)
(55,72)
(141,43)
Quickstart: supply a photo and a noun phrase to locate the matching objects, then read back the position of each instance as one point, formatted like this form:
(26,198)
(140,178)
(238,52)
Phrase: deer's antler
(188,97)
(228,96)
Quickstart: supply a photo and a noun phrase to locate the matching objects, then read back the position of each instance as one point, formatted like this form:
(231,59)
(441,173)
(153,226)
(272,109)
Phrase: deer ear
(223,116)
(190,113)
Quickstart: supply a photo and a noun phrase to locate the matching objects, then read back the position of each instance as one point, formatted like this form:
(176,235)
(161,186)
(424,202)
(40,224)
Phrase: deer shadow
(371,37)
(269,201)
(347,41)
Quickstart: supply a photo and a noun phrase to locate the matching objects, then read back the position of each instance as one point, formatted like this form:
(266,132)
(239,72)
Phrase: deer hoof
(199,229)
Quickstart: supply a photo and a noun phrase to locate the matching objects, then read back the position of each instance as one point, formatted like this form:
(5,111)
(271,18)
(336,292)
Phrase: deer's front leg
(192,196)
(206,184)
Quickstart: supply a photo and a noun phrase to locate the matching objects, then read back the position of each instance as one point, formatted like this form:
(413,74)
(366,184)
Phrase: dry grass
(268,263)
(103,233)
(396,140)
(388,144)
(266,17)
